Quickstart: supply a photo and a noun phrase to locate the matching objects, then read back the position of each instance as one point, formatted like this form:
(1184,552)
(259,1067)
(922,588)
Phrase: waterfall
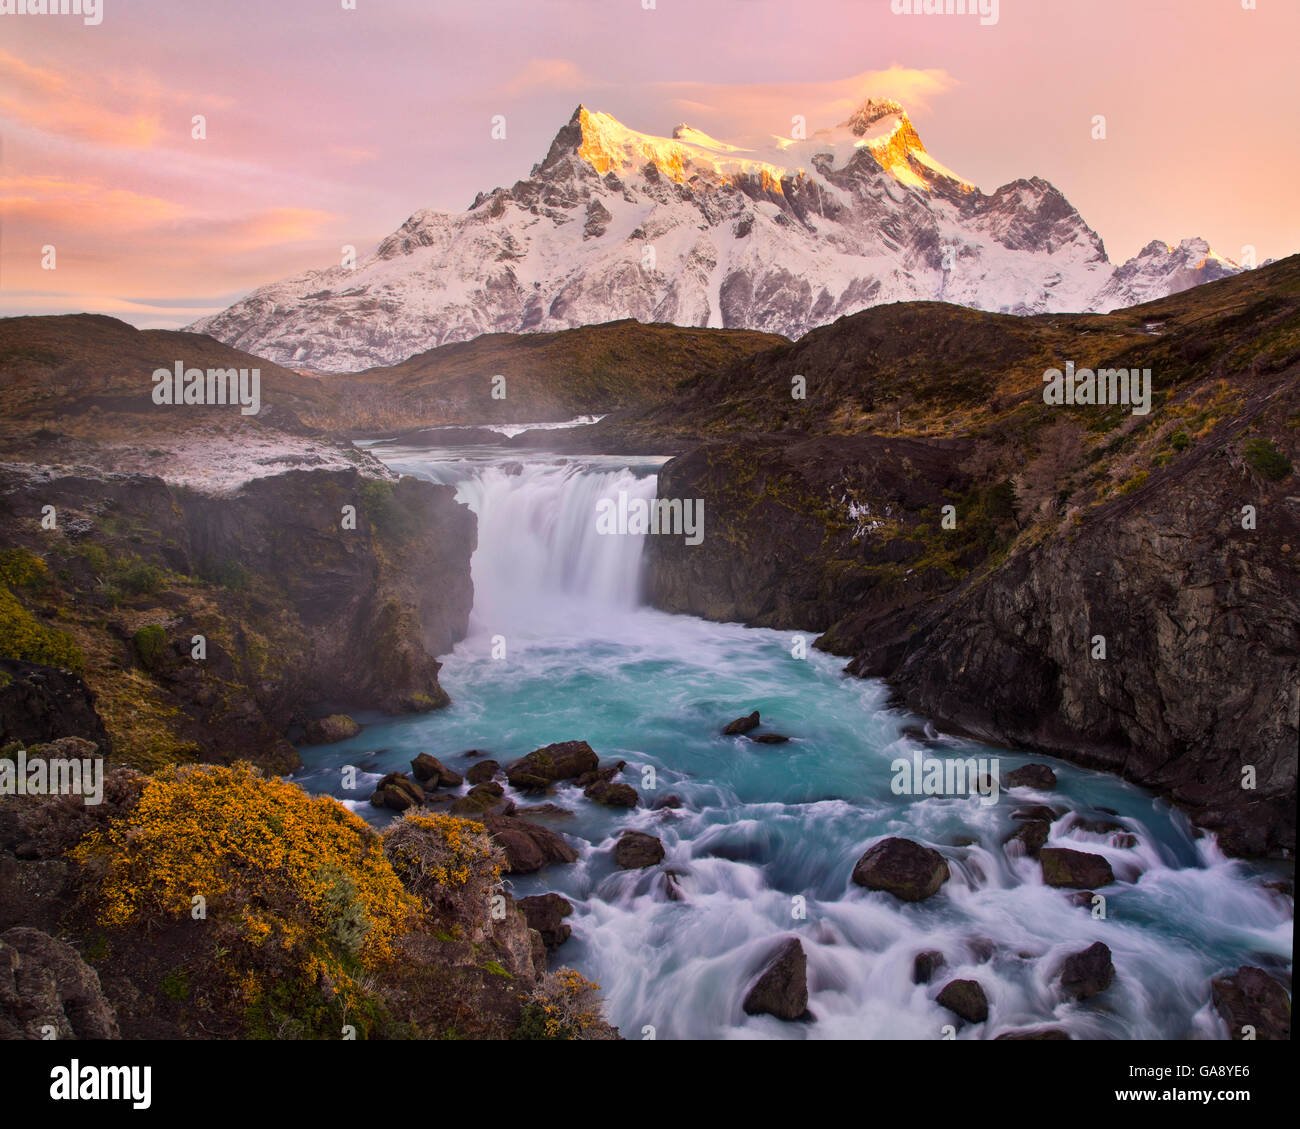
(540,561)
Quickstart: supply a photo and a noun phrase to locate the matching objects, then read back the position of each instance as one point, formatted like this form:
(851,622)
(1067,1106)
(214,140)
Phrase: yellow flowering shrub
(448,852)
(295,885)
(564,1005)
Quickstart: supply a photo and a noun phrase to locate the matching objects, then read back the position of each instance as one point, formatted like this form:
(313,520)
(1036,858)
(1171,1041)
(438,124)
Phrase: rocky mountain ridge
(779,235)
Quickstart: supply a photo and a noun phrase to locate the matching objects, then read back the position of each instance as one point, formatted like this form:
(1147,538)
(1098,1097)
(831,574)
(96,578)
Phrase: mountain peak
(872,111)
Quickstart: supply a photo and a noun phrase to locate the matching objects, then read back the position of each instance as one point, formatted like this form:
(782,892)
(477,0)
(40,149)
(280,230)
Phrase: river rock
(672,800)
(430,770)
(925,965)
(905,869)
(1033,834)
(327,730)
(1034,1033)
(1075,870)
(543,811)
(741,725)
(768,738)
(1250,997)
(397,792)
(636,850)
(482,772)
(965,998)
(546,914)
(782,989)
(1093,825)
(1037,776)
(1038,811)
(488,798)
(612,795)
(543,767)
(527,846)
(1088,972)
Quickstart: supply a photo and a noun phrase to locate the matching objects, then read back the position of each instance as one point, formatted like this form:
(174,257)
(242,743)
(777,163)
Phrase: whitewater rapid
(765,841)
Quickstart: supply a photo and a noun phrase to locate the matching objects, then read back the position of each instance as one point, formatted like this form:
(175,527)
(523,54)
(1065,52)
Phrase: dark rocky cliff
(295,610)
(1065,524)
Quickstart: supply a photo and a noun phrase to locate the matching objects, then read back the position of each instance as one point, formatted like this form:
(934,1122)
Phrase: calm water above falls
(762,826)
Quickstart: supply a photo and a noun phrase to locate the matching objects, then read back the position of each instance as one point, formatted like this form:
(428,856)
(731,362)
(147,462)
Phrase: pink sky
(329,127)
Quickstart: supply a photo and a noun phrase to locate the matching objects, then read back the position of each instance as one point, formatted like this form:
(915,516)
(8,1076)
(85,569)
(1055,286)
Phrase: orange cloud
(48,101)
(768,106)
(549,74)
(83,205)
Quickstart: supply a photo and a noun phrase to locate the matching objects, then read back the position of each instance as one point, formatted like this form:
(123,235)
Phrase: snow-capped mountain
(780,235)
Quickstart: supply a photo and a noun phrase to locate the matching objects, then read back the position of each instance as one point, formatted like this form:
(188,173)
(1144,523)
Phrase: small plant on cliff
(296,887)
(21,569)
(386,514)
(453,864)
(150,644)
(564,1005)
(1267,459)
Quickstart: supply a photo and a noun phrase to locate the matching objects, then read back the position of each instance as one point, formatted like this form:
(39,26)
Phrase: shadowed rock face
(42,703)
(294,608)
(1201,621)
(44,983)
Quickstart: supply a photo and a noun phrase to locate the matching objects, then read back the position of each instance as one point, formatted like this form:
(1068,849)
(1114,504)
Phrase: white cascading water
(540,558)
(765,841)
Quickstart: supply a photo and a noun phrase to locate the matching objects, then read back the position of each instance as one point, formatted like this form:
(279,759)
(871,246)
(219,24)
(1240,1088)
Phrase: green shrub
(1267,459)
(138,577)
(23,636)
(224,571)
(151,645)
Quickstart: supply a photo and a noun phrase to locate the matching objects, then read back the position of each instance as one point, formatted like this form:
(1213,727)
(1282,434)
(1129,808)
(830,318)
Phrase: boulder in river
(1075,870)
(1251,999)
(782,989)
(741,725)
(905,869)
(482,772)
(327,730)
(965,998)
(672,800)
(397,792)
(768,738)
(925,965)
(527,847)
(429,770)
(1037,776)
(546,914)
(612,795)
(488,798)
(543,767)
(1088,972)
(636,850)
(1032,833)
(1034,1033)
